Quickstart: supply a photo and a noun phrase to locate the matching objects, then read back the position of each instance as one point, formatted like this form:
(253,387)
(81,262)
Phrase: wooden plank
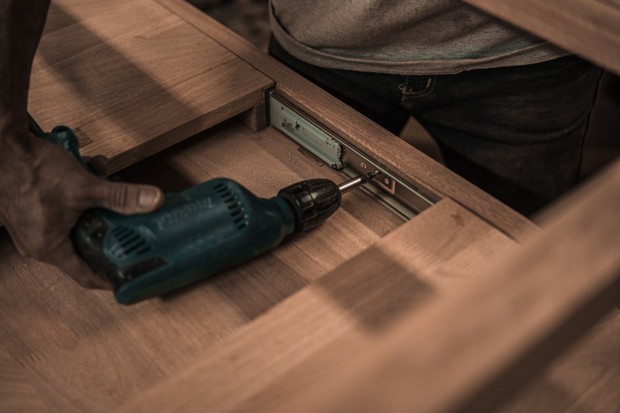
(16,393)
(589,28)
(386,148)
(84,353)
(471,349)
(360,298)
(586,379)
(132,79)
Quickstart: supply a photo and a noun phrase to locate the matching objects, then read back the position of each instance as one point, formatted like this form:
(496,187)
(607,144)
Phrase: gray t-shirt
(402,36)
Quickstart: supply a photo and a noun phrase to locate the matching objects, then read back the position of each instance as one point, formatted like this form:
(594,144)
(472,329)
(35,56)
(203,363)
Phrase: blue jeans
(515,132)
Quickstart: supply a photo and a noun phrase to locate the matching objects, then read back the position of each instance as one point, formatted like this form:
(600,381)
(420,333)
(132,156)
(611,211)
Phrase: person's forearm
(21,25)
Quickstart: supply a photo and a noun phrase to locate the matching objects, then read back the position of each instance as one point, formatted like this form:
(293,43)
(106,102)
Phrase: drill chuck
(315,200)
(312,202)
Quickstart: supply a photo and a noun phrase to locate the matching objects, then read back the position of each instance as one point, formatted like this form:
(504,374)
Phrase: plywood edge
(117,160)
(383,146)
(256,118)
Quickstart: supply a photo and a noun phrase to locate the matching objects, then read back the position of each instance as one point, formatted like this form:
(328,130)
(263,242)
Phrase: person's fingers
(98,164)
(65,258)
(125,198)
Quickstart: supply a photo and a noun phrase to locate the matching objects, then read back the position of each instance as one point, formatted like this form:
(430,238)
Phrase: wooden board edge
(563,25)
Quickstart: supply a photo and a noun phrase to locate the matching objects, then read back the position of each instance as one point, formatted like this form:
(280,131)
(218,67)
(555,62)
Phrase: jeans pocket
(415,87)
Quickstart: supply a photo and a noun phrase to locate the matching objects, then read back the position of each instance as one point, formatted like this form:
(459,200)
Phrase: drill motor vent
(237,213)
(127,242)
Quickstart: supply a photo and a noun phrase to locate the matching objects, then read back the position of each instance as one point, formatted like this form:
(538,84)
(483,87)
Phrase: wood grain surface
(17,394)
(583,380)
(589,28)
(132,79)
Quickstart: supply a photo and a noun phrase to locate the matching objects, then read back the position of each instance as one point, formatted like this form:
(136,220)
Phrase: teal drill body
(197,233)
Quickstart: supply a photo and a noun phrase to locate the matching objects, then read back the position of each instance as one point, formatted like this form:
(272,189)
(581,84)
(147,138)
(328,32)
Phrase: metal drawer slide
(403,197)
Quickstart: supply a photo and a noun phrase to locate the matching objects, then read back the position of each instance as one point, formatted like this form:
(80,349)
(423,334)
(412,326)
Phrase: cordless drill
(196,233)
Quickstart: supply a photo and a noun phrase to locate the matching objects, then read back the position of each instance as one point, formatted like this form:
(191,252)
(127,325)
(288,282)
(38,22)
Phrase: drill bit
(357,181)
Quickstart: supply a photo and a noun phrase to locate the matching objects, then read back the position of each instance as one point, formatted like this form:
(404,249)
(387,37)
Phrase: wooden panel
(360,299)
(386,148)
(469,350)
(586,379)
(590,28)
(84,353)
(133,79)
(16,393)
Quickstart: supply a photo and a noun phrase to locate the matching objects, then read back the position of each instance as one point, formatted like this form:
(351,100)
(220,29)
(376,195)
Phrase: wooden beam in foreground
(473,348)
(589,28)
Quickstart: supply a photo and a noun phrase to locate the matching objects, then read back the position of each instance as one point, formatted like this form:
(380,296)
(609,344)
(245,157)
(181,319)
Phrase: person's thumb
(126,198)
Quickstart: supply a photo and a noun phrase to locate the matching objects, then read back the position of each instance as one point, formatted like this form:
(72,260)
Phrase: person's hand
(43,192)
